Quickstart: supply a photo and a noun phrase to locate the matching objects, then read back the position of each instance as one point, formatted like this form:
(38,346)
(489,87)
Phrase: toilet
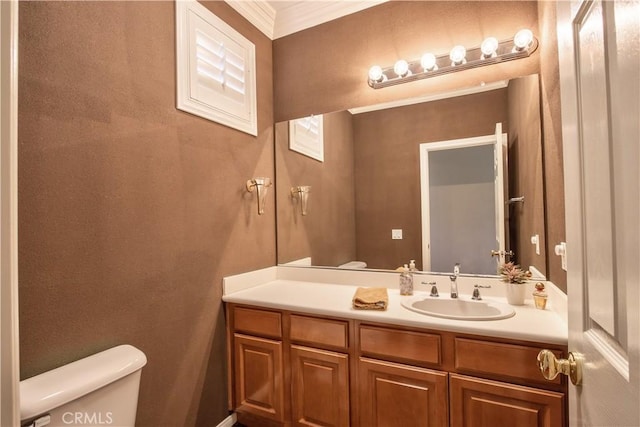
(99,390)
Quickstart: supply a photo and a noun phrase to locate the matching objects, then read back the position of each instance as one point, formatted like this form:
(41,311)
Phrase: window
(215,70)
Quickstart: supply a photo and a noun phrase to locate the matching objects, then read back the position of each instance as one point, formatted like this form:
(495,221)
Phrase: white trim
(280,21)
(229,421)
(306,14)
(9,340)
(619,362)
(536,274)
(257,12)
(432,97)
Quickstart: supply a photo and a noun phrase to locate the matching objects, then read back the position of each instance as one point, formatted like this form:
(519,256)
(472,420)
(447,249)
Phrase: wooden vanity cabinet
(289,369)
(297,369)
(392,394)
(258,361)
(319,387)
(480,402)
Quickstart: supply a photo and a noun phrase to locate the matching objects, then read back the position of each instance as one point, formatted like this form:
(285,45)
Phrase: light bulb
(457,55)
(401,68)
(489,47)
(428,62)
(375,73)
(523,39)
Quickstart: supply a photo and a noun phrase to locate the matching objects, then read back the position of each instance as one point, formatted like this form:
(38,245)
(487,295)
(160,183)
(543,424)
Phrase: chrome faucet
(454,280)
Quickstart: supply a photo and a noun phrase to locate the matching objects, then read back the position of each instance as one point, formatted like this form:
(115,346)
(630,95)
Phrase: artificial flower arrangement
(512,273)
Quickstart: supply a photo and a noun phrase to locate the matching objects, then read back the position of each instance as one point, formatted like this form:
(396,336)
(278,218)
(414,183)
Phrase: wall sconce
(491,51)
(260,185)
(302,194)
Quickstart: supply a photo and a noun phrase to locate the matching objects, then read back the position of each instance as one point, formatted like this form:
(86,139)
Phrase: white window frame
(306,137)
(192,18)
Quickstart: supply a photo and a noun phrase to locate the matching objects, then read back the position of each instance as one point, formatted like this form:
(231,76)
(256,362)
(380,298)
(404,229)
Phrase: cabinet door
(394,395)
(476,402)
(319,387)
(259,377)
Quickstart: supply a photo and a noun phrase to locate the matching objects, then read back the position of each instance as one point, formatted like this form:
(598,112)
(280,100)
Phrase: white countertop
(325,298)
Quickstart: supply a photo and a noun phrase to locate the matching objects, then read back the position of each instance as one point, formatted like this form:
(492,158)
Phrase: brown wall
(525,172)
(387,163)
(130,211)
(327,232)
(552,140)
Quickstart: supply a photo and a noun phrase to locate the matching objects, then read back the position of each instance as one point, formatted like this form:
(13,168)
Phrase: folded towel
(371,299)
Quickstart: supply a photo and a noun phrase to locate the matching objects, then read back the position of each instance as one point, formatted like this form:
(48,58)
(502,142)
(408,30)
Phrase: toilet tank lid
(54,388)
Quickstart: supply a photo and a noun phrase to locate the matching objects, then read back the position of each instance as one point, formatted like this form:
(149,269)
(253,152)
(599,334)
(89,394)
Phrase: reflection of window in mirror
(306,137)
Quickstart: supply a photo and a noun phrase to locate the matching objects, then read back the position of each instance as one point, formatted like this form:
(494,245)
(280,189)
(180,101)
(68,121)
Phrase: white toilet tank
(99,390)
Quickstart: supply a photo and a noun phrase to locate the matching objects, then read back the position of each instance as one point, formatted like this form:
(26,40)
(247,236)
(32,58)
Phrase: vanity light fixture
(428,62)
(491,51)
(489,47)
(522,40)
(457,55)
(401,68)
(376,75)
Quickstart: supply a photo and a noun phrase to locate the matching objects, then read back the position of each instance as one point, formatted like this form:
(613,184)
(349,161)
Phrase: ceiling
(279,18)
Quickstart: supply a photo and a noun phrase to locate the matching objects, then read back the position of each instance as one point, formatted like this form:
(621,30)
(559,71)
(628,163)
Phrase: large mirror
(365,207)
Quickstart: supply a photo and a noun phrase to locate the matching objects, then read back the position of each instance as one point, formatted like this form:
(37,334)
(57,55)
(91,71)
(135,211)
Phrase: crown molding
(257,12)
(297,16)
(301,15)
(432,97)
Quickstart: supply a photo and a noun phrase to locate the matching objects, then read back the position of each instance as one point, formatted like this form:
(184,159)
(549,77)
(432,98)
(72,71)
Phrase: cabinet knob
(550,366)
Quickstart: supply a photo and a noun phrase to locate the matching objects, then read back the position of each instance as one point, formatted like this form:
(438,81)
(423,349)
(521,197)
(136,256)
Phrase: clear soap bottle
(406,281)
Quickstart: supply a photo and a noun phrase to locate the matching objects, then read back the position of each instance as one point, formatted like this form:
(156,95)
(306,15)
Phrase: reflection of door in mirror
(462,201)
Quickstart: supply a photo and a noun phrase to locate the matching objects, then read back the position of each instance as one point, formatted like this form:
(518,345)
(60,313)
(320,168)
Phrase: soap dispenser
(406,281)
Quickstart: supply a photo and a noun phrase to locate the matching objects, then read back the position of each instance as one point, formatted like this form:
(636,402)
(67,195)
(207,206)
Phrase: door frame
(9,342)
(425,149)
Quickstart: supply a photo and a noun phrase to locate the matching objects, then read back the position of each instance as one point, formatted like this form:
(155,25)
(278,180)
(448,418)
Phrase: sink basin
(458,309)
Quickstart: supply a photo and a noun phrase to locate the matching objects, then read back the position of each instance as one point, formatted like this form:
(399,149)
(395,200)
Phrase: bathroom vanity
(300,355)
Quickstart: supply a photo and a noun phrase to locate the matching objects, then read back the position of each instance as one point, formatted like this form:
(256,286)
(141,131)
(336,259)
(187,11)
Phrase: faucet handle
(434,289)
(476,291)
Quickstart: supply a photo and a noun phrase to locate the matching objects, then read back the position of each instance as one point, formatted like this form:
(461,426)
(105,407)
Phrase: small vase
(516,293)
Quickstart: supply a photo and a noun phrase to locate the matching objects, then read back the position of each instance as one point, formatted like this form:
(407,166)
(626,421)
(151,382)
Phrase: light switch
(396,234)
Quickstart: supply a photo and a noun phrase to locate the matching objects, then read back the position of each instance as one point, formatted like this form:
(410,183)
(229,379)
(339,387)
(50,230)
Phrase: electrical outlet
(396,234)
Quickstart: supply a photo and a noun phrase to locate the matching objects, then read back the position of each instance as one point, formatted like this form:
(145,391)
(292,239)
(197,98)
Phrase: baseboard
(229,421)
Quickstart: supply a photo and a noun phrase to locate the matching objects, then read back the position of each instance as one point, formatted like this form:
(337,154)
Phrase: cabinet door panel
(259,376)
(320,387)
(394,395)
(478,403)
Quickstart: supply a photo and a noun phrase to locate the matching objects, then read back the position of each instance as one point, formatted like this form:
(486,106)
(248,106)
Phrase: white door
(599,74)
(462,202)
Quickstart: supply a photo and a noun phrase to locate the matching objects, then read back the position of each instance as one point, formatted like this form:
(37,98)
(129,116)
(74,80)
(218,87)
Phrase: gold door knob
(550,366)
